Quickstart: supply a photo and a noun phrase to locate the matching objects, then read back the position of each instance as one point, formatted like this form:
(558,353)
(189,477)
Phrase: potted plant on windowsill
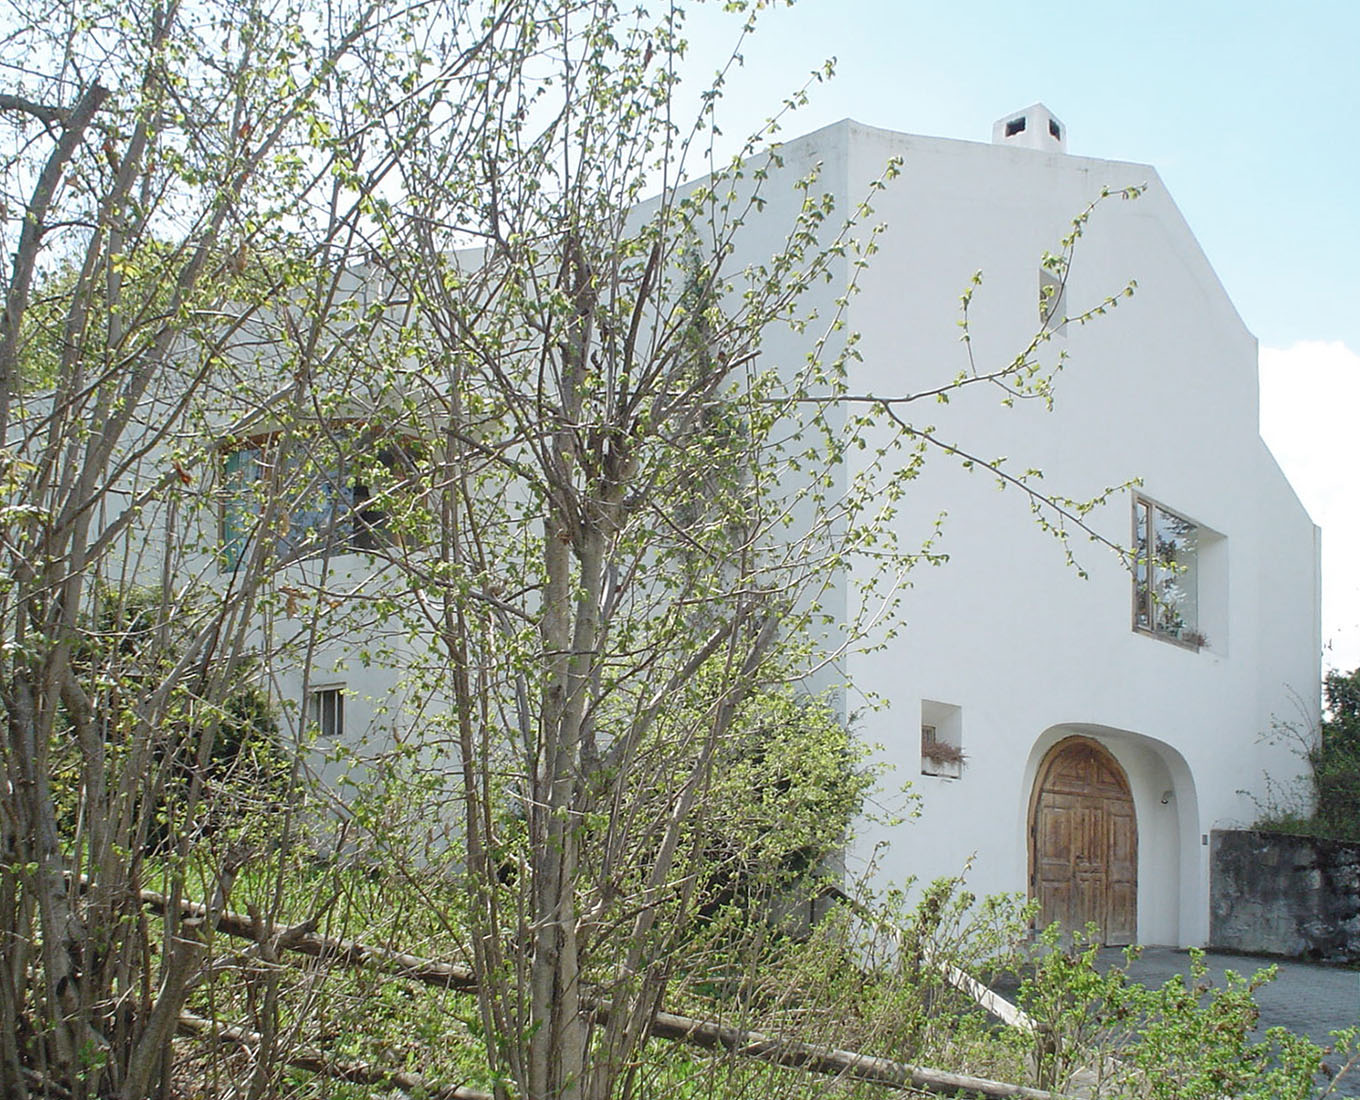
(943,759)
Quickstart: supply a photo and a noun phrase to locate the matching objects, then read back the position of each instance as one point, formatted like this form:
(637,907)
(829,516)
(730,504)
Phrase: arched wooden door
(1083,847)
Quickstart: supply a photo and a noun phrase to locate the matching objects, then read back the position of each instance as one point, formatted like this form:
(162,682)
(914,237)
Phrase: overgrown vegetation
(871,979)
(1336,759)
(1329,805)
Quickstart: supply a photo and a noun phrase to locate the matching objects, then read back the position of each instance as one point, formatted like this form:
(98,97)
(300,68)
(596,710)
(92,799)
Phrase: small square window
(326,712)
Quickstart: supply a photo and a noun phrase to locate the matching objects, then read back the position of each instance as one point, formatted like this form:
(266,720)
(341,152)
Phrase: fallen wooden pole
(303,939)
(758,1046)
(832,1062)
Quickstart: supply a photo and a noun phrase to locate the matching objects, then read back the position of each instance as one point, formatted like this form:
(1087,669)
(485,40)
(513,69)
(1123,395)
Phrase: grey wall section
(1277,894)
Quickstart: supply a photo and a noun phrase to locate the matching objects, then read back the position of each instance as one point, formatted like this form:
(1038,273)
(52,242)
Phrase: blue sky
(1250,112)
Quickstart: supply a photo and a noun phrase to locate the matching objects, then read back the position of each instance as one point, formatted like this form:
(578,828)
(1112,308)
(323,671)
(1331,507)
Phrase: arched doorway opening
(1083,841)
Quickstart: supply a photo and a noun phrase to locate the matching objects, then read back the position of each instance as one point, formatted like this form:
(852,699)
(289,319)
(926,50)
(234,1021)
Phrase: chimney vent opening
(1033,128)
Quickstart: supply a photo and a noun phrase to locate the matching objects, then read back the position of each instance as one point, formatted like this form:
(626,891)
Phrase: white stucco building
(1107,723)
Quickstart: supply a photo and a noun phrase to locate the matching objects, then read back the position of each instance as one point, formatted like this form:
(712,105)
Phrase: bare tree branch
(41,111)
(30,240)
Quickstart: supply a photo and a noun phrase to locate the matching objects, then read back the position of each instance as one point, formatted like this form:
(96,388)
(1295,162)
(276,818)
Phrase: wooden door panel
(1055,903)
(1122,907)
(1055,845)
(1105,781)
(1084,847)
(1091,835)
(1088,902)
(1120,927)
(1123,844)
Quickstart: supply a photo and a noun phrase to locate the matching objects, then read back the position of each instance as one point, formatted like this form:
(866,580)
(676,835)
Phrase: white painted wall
(1163,389)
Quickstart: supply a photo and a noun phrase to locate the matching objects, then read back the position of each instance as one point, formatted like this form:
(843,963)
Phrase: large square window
(328,505)
(1166,548)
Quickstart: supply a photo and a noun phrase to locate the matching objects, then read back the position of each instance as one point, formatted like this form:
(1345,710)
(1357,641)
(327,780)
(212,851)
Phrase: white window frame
(326,711)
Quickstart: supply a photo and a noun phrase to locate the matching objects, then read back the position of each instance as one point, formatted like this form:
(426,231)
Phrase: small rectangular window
(941,740)
(326,712)
(1052,302)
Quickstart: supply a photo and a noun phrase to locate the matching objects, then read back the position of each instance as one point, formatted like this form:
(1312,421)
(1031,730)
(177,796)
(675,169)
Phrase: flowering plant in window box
(942,752)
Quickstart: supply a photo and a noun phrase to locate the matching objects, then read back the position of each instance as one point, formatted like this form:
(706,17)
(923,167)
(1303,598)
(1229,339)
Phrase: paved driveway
(1309,999)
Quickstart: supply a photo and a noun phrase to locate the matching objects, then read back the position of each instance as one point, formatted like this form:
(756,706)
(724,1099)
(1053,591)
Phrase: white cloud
(1310,419)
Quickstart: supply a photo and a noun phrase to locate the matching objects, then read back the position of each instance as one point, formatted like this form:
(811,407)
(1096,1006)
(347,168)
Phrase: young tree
(179,178)
(636,522)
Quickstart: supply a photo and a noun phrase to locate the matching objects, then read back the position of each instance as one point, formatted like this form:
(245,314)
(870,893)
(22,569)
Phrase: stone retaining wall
(1277,894)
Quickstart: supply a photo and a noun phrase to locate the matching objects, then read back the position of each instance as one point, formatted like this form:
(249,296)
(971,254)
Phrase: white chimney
(1033,128)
